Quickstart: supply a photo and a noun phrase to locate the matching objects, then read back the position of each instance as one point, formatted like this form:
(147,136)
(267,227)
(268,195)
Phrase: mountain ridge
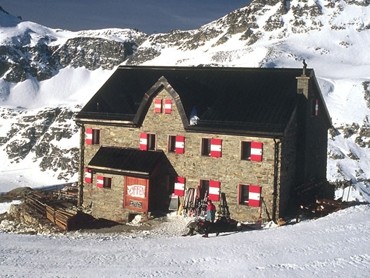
(36,62)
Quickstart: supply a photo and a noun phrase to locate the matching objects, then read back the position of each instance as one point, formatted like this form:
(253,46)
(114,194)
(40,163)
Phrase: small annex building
(150,134)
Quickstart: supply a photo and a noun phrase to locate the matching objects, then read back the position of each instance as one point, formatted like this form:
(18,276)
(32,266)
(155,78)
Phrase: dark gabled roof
(260,100)
(128,161)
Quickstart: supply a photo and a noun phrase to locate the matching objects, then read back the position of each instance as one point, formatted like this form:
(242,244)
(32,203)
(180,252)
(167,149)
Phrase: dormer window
(162,105)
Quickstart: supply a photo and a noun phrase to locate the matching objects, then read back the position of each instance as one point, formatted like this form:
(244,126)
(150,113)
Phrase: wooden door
(136,194)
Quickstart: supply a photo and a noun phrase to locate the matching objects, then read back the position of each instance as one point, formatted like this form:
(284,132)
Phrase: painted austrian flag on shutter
(143,141)
(216,147)
(157,105)
(88,175)
(88,136)
(100,181)
(180,144)
(256,151)
(180,187)
(214,190)
(254,196)
(168,106)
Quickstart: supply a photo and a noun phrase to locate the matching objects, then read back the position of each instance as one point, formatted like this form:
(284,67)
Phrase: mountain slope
(45,68)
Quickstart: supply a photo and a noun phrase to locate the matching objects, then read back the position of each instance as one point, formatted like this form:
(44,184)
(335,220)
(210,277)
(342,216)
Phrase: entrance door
(136,194)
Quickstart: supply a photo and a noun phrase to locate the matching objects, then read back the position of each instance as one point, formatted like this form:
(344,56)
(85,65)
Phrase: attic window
(250,195)
(157,105)
(161,106)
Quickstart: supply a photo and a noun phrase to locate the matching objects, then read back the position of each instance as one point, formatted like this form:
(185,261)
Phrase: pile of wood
(60,212)
(62,218)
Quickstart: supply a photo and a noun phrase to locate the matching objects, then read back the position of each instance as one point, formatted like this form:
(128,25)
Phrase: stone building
(150,134)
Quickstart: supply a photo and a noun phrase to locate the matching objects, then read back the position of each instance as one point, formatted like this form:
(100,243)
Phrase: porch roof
(126,161)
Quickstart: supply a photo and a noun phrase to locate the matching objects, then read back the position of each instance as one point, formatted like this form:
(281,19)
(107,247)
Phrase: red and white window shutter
(216,147)
(157,105)
(143,141)
(254,196)
(256,151)
(180,144)
(179,189)
(88,136)
(100,181)
(168,106)
(88,175)
(214,190)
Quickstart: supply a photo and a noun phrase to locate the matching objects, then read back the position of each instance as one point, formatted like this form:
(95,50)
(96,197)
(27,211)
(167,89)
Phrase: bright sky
(148,16)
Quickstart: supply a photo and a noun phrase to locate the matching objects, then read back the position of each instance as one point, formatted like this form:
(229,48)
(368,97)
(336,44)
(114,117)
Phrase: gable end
(161,84)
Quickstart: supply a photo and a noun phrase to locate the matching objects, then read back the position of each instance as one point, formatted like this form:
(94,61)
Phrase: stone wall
(229,169)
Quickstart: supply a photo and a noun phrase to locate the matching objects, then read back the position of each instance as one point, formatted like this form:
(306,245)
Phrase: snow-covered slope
(43,67)
(334,246)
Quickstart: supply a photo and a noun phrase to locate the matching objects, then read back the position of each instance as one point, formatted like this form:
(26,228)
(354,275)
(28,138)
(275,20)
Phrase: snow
(337,245)
(4,207)
(334,246)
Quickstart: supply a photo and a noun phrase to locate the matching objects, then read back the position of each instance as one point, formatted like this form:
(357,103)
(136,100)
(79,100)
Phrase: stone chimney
(302,82)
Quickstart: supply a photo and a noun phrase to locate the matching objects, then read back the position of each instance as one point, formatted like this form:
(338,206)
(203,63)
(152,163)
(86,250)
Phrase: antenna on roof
(304,67)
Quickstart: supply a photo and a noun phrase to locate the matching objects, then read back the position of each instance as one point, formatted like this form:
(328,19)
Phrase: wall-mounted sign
(136,204)
(136,190)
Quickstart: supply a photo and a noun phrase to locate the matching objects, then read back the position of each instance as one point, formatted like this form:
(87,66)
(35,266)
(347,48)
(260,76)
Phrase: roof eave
(119,171)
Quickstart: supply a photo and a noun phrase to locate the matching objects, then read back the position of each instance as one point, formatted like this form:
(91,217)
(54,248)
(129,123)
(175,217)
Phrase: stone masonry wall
(230,170)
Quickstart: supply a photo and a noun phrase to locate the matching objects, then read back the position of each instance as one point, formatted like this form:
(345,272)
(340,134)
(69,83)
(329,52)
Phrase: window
(171,144)
(251,151)
(92,136)
(314,107)
(157,105)
(88,175)
(250,195)
(206,146)
(162,106)
(147,141)
(103,182)
(209,189)
(179,188)
(211,147)
(151,142)
(168,106)
(176,144)
(246,151)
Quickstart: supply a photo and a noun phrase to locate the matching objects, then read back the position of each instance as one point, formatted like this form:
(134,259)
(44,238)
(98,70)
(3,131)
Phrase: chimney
(302,82)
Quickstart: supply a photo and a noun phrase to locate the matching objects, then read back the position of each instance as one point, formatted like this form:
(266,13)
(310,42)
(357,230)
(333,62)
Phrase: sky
(148,16)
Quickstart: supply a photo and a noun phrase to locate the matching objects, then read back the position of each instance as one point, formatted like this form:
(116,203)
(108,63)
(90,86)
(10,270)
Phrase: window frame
(243,194)
(205,147)
(92,136)
(246,191)
(151,145)
(171,146)
(107,182)
(245,150)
